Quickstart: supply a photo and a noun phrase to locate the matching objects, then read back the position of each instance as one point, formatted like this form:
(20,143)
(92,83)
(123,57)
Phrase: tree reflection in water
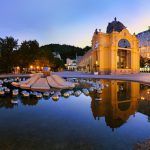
(29,101)
(7,102)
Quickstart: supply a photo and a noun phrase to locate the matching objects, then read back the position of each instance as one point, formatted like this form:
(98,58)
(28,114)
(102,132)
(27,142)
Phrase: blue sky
(69,21)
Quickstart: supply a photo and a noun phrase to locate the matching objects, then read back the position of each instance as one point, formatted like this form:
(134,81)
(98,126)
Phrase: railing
(146,69)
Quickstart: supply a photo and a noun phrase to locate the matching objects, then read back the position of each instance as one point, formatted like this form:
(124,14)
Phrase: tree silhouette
(7,46)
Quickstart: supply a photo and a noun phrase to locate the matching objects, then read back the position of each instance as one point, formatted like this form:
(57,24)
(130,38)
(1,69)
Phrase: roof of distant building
(144,32)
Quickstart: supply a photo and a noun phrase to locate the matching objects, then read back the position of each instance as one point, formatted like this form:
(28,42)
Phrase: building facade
(71,64)
(144,43)
(113,52)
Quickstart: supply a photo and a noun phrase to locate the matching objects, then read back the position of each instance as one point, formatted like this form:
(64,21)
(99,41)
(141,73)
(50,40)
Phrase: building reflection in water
(118,102)
(144,103)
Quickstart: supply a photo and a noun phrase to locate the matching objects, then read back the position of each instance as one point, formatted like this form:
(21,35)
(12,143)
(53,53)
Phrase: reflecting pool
(115,119)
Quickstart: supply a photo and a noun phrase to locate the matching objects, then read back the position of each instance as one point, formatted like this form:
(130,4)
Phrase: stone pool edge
(141,77)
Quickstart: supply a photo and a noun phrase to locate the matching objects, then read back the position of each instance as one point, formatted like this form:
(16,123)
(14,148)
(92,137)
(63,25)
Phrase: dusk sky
(69,21)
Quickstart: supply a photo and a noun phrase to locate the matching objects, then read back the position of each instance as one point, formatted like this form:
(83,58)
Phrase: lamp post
(18,69)
(37,67)
(31,68)
(88,67)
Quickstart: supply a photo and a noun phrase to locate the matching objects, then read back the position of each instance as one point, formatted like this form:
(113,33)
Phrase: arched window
(124,43)
(124,106)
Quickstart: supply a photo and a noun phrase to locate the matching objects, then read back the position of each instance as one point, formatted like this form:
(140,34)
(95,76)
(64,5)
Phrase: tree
(66,51)
(28,53)
(57,65)
(143,61)
(7,45)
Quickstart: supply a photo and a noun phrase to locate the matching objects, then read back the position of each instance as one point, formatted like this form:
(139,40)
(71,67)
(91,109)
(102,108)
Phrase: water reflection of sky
(69,123)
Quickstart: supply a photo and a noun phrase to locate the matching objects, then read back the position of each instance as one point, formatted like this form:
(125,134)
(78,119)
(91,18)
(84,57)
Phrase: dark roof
(144,32)
(115,26)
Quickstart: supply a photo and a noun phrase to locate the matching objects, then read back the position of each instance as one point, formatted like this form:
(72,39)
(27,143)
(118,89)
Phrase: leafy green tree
(7,45)
(66,51)
(144,61)
(57,65)
(148,62)
(47,53)
(27,53)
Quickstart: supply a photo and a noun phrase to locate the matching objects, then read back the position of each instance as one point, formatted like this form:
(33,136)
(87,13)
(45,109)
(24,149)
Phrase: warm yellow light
(31,66)
(37,67)
(142,98)
(18,67)
(96,62)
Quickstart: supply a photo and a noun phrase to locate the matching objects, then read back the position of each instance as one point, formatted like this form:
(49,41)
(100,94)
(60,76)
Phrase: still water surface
(117,122)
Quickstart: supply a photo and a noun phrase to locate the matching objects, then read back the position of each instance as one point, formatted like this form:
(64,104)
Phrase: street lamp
(18,69)
(31,67)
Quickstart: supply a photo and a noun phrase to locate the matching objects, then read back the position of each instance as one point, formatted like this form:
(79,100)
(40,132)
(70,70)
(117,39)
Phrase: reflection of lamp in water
(142,98)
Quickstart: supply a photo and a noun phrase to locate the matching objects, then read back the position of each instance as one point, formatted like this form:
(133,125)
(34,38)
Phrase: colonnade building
(113,52)
(144,43)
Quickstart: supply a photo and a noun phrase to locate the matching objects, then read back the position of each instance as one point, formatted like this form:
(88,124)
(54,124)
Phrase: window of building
(123,43)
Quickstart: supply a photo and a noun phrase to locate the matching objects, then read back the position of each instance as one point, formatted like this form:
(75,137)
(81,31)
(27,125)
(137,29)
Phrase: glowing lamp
(31,67)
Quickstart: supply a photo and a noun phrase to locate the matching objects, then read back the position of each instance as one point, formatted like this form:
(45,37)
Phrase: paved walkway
(141,77)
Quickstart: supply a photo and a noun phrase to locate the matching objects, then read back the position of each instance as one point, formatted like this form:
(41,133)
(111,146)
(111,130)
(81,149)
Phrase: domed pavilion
(113,52)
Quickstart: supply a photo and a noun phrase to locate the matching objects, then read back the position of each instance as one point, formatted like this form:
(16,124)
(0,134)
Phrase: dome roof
(115,26)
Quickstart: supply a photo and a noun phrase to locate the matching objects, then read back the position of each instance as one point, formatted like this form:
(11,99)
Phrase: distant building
(56,55)
(113,52)
(144,43)
(71,64)
(78,58)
